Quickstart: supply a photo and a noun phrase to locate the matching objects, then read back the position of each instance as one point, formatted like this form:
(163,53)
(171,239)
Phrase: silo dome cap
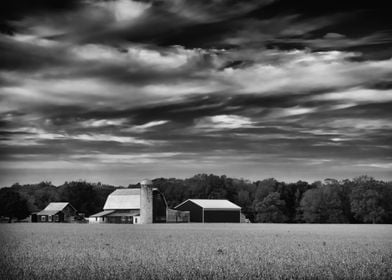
(146,182)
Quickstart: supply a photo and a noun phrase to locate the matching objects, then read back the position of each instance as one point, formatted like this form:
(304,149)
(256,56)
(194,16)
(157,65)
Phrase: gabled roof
(130,213)
(114,213)
(102,213)
(213,204)
(122,199)
(54,207)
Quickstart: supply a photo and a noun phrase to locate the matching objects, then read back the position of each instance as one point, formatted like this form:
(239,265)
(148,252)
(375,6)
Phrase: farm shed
(176,216)
(55,212)
(211,210)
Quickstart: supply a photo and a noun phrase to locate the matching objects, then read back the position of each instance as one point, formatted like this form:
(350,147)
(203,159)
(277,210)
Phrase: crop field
(195,251)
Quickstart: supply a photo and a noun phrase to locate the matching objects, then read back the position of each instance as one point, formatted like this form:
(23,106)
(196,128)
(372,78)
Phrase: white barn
(121,206)
(133,206)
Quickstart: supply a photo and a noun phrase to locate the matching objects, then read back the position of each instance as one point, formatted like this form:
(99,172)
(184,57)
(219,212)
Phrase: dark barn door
(61,217)
(219,216)
(34,218)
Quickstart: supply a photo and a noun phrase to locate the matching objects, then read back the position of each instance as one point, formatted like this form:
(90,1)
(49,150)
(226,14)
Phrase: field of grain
(195,251)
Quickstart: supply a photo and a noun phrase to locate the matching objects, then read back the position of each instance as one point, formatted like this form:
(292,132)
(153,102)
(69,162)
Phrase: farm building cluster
(146,205)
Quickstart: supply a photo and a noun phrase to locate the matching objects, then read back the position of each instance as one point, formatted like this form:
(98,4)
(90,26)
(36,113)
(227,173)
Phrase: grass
(195,251)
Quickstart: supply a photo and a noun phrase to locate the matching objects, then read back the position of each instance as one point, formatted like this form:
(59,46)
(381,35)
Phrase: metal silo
(146,201)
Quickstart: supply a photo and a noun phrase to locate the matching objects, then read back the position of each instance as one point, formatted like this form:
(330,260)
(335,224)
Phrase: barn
(123,207)
(211,210)
(144,205)
(56,212)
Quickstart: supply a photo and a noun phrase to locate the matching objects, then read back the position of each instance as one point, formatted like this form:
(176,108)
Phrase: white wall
(95,220)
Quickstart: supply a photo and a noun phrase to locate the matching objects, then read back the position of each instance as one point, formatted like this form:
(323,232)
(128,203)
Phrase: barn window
(56,218)
(43,218)
(49,218)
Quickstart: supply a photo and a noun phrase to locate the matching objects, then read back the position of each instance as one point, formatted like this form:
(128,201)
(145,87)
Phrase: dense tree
(386,192)
(271,209)
(243,197)
(85,197)
(312,206)
(323,205)
(173,189)
(367,200)
(345,189)
(337,201)
(12,205)
(264,188)
(37,195)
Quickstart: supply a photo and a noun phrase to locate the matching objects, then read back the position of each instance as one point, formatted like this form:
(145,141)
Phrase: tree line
(19,201)
(359,200)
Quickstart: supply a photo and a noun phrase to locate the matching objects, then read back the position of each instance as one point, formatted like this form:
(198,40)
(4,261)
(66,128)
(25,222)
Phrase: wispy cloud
(223,122)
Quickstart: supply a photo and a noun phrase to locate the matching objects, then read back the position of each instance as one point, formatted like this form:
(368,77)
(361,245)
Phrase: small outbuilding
(211,210)
(55,212)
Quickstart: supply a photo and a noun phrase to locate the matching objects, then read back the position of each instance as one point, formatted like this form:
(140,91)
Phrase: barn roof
(102,213)
(114,213)
(53,208)
(56,206)
(213,204)
(122,199)
(130,213)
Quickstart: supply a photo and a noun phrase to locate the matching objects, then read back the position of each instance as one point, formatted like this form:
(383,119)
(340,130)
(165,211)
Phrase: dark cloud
(26,56)
(16,10)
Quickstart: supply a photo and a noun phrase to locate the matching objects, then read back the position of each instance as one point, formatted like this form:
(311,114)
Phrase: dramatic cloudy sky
(119,90)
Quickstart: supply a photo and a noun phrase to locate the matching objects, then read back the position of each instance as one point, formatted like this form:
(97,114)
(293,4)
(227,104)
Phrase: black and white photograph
(195,139)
